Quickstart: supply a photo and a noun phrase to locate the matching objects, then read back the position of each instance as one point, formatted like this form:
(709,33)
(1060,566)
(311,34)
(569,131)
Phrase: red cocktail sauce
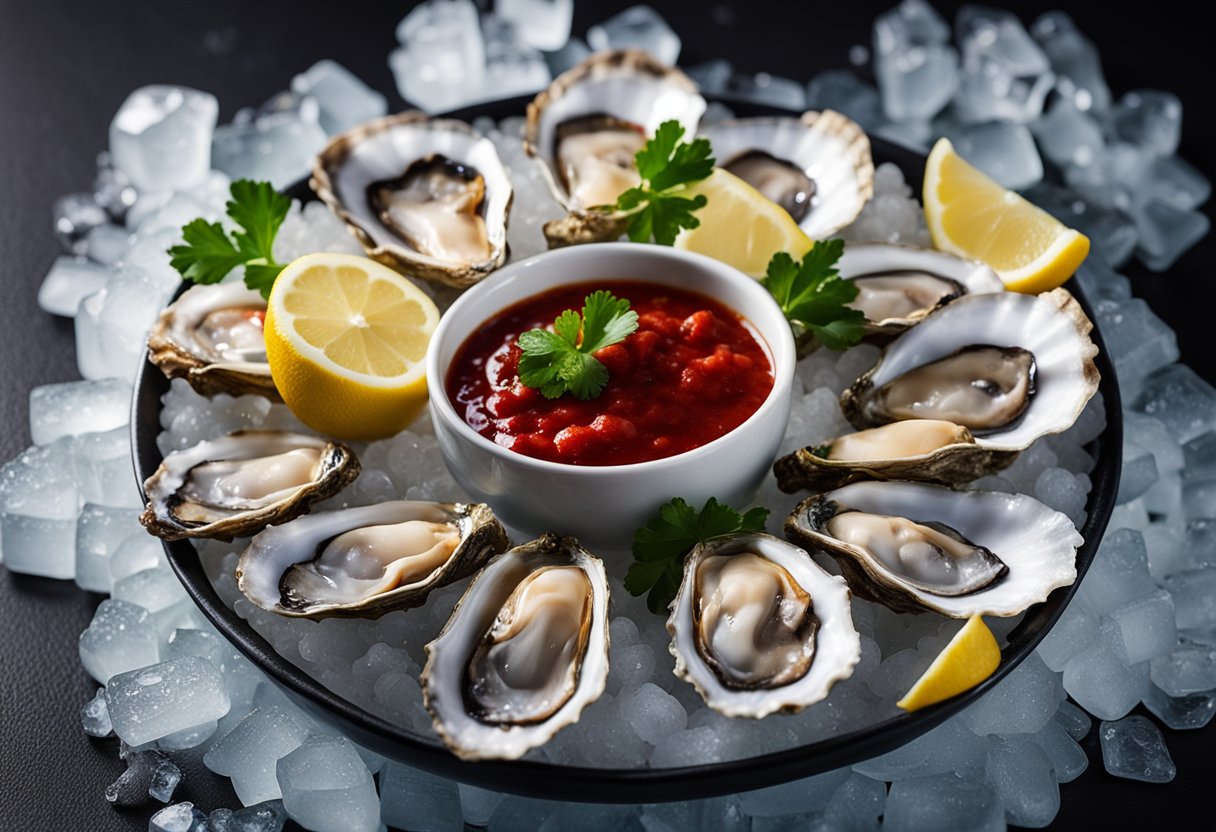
(692,372)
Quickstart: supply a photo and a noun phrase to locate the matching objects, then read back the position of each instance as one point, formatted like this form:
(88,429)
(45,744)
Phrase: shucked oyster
(524,652)
(367,560)
(916,547)
(428,197)
(238,484)
(212,337)
(758,627)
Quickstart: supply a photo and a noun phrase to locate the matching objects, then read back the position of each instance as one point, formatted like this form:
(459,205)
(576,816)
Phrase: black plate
(592,785)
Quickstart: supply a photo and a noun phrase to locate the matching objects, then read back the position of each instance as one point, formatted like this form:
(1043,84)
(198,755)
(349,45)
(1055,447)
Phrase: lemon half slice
(346,339)
(972,216)
(970,658)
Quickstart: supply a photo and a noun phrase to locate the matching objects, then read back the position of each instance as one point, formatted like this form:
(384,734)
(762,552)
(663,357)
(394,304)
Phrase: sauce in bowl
(692,372)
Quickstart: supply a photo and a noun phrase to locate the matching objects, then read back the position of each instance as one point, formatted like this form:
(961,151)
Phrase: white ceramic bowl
(603,505)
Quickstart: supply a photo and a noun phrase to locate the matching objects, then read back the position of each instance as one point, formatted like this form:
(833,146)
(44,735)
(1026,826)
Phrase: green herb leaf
(660,546)
(209,253)
(666,165)
(560,362)
(814,297)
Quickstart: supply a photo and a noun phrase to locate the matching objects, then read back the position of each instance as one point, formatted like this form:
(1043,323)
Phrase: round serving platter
(651,785)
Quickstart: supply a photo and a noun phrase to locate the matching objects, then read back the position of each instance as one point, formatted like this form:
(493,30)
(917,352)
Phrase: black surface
(66,66)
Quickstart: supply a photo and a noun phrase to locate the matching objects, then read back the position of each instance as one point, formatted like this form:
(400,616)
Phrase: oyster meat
(428,197)
(1009,367)
(212,337)
(238,484)
(758,627)
(916,547)
(367,560)
(524,652)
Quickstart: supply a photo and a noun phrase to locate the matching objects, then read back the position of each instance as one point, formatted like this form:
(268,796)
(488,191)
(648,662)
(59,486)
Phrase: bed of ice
(1141,629)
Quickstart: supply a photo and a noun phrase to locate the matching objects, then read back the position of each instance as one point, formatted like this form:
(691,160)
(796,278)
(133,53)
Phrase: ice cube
(652,712)
(1067,135)
(1068,760)
(103,469)
(1186,669)
(569,56)
(442,55)
(943,801)
(1194,593)
(138,552)
(1074,59)
(512,66)
(1074,632)
(343,99)
(69,281)
(156,590)
(694,746)
(1111,231)
(1167,232)
(1133,748)
(1004,151)
(1147,626)
(1119,573)
(630,667)
(907,760)
(120,638)
(130,303)
(638,27)
(1156,438)
(1064,491)
(160,137)
(268,816)
(1174,181)
(1100,680)
(1005,74)
(1149,119)
(106,245)
(810,794)
(412,799)
(99,532)
(1199,498)
(917,70)
(152,702)
(1022,773)
(477,805)
(857,805)
(180,817)
(75,407)
(327,788)
(248,753)
(1183,401)
(543,24)
(1139,471)
(841,90)
(1200,545)
(1073,720)
(1022,703)
(165,777)
(277,146)
(1192,711)
(94,718)
(75,216)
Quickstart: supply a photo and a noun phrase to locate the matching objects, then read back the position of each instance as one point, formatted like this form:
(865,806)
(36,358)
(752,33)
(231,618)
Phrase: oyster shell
(212,337)
(367,560)
(758,627)
(1008,366)
(818,167)
(238,484)
(428,197)
(926,450)
(585,128)
(916,547)
(523,653)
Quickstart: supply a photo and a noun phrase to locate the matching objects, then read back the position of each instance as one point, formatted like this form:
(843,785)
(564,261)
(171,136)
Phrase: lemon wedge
(970,658)
(346,339)
(972,216)
(740,226)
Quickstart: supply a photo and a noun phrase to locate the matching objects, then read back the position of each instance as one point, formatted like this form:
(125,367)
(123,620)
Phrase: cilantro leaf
(666,165)
(559,362)
(814,297)
(209,253)
(660,546)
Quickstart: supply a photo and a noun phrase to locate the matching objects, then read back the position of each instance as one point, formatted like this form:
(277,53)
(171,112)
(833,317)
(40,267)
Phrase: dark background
(66,65)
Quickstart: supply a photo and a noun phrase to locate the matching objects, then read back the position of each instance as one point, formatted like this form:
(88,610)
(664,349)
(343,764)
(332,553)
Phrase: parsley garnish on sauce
(666,165)
(209,253)
(659,547)
(815,298)
(561,361)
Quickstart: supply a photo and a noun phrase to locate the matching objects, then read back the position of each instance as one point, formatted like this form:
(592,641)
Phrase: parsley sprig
(814,297)
(666,165)
(210,253)
(560,361)
(659,547)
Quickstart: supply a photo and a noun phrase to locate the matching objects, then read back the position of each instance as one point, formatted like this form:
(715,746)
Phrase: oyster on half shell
(238,484)
(916,547)
(759,628)
(523,653)
(367,560)
(428,197)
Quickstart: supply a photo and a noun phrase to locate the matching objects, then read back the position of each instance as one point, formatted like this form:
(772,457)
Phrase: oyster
(899,285)
(1009,367)
(238,484)
(586,127)
(523,653)
(916,547)
(212,337)
(928,450)
(367,560)
(758,627)
(818,167)
(428,197)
